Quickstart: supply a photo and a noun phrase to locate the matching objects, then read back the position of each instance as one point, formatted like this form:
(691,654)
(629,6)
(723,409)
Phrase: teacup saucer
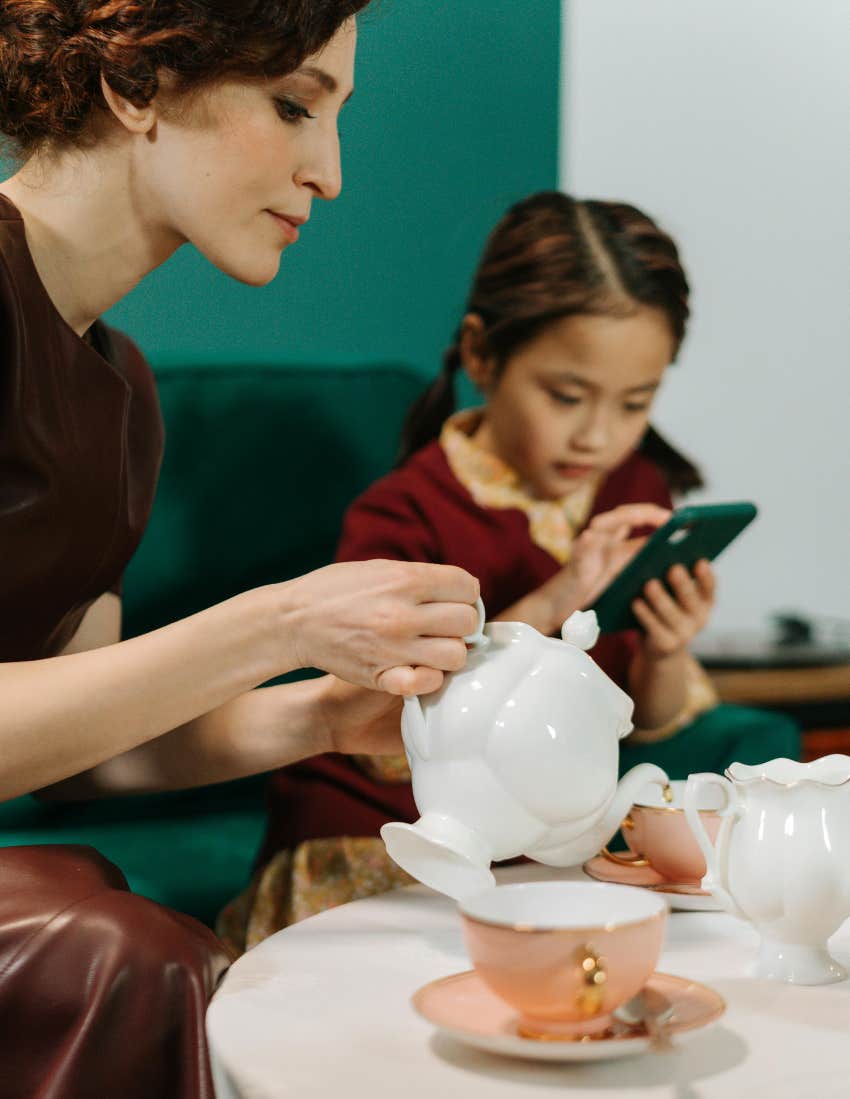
(681,895)
(465,1008)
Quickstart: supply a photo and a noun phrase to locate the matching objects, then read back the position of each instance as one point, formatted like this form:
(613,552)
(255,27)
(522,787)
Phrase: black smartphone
(691,534)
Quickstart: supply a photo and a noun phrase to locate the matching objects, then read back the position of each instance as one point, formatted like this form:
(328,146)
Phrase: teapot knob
(581,629)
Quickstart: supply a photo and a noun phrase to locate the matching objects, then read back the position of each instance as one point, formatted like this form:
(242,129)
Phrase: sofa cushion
(260,464)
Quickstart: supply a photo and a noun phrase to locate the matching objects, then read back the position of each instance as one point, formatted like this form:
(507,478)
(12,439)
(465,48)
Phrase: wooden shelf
(778,686)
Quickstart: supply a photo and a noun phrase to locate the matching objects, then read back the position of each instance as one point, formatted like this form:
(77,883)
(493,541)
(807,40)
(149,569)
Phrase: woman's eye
(636,407)
(564,398)
(291,111)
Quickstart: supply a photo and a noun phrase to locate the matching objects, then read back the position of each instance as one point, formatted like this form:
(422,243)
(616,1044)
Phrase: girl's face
(235,169)
(575,401)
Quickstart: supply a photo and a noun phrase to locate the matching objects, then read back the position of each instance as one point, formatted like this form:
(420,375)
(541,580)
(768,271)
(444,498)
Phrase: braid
(432,408)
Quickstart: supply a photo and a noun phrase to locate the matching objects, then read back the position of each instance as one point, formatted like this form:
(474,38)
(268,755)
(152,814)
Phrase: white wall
(730,122)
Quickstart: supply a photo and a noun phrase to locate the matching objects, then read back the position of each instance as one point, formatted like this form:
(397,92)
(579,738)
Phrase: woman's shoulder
(15,270)
(123,354)
(637,480)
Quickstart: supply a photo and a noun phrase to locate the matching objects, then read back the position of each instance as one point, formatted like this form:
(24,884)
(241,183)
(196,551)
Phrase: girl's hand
(392,626)
(602,550)
(599,553)
(672,621)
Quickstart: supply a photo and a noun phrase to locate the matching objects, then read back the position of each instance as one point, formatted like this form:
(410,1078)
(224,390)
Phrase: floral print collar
(553,524)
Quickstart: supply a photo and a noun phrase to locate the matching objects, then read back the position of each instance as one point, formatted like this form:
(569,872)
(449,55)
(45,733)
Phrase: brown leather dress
(102,993)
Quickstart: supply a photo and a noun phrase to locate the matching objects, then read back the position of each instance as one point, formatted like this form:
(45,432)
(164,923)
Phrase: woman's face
(235,169)
(575,401)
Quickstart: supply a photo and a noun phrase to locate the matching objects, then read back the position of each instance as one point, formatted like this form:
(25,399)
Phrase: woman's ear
(478,364)
(137,120)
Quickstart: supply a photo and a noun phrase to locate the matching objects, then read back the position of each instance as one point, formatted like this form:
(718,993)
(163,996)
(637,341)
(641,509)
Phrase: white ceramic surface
(462,1007)
(517,754)
(565,955)
(323,1009)
(679,898)
(561,905)
(782,859)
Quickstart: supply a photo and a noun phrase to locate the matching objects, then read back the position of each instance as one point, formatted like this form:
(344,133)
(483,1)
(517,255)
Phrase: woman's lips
(287,225)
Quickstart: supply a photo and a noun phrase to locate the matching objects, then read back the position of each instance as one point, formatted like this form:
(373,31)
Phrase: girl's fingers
(656,631)
(664,606)
(706,580)
(686,589)
(631,515)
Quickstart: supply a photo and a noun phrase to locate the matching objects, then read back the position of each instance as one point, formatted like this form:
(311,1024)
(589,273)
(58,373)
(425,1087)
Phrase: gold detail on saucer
(692,889)
(526,1031)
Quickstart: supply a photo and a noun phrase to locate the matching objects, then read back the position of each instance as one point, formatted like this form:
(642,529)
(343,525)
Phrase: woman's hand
(672,621)
(388,625)
(358,721)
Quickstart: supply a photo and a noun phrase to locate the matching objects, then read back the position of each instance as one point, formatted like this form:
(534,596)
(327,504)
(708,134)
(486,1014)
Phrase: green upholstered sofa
(260,463)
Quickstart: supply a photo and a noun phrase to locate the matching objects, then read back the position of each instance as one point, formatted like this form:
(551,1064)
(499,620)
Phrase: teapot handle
(714,854)
(479,640)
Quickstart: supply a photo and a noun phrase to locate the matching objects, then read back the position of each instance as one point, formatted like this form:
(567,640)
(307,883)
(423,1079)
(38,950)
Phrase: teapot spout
(413,730)
(593,839)
(628,788)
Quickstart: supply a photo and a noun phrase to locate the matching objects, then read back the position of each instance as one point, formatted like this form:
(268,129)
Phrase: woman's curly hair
(53,52)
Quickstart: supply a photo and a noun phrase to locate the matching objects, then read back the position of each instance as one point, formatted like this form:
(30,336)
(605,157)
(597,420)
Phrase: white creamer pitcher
(782,859)
(516,754)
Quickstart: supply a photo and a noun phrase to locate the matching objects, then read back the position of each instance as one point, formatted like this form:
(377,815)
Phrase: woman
(141,126)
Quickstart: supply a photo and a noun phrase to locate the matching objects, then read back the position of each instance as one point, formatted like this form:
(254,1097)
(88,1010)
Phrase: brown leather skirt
(102,992)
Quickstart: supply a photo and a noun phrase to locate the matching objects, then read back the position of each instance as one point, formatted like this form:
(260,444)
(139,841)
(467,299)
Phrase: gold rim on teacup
(536,929)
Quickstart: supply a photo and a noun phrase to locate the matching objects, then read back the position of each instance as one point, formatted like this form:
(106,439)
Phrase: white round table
(323,1009)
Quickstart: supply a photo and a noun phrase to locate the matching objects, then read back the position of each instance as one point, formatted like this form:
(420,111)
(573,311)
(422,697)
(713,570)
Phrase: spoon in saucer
(654,1011)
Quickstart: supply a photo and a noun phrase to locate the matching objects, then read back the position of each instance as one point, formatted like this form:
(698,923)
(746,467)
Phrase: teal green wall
(455,116)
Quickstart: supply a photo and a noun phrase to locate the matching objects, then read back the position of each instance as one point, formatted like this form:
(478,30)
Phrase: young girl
(576,311)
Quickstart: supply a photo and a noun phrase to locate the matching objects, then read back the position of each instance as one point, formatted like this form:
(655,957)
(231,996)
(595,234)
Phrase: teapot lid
(581,629)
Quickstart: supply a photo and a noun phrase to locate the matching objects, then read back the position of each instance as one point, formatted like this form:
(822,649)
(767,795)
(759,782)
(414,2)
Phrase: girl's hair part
(553,256)
(53,53)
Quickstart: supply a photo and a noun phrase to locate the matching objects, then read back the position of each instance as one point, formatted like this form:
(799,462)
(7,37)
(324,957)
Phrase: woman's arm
(261,730)
(100,626)
(387,625)
(68,713)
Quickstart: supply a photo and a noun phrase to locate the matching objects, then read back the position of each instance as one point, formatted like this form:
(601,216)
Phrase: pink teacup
(657,832)
(565,955)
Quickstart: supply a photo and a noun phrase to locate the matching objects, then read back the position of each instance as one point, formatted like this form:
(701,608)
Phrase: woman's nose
(321,171)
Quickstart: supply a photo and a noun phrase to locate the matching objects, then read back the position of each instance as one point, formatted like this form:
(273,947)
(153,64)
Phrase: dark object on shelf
(795,641)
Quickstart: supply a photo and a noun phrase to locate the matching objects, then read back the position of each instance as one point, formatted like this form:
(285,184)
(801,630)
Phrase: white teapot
(516,754)
(782,859)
